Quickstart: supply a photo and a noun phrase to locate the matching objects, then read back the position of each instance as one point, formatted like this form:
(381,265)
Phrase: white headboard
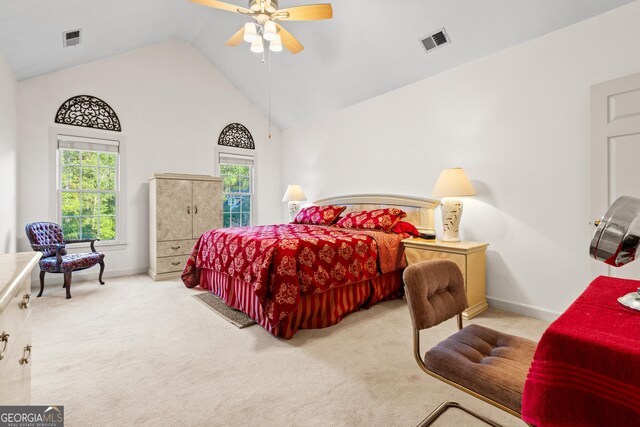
(419,210)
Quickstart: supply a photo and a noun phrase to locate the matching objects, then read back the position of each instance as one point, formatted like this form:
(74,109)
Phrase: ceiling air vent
(71,38)
(435,40)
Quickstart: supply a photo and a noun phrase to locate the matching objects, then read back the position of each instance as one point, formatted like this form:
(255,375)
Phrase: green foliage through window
(89,194)
(237,189)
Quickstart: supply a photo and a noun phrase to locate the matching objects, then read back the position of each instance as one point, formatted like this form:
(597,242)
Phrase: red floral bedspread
(285,262)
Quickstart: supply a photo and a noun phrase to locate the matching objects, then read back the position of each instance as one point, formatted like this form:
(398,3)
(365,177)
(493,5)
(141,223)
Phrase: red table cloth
(586,368)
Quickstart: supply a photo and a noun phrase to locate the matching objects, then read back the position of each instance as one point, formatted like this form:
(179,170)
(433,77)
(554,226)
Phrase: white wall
(518,122)
(172,104)
(8,157)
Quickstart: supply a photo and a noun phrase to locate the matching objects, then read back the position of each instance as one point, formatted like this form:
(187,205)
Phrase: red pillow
(405,227)
(319,215)
(380,219)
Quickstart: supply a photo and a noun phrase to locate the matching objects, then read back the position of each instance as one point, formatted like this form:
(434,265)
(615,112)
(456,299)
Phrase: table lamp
(294,195)
(451,185)
(617,239)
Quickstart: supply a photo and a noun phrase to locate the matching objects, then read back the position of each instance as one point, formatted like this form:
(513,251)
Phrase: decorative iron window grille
(236,135)
(88,111)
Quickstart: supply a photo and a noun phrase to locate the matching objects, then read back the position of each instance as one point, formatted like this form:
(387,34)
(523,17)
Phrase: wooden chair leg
(41,283)
(101,271)
(67,283)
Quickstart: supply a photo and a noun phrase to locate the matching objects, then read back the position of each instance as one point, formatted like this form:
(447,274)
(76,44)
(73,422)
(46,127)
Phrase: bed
(298,276)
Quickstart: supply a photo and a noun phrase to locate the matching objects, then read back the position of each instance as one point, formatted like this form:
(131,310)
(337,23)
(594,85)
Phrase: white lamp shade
(453,183)
(250,33)
(256,45)
(294,193)
(275,45)
(269,32)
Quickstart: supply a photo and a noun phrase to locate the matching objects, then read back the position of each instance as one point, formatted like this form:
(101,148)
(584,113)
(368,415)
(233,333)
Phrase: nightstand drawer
(417,255)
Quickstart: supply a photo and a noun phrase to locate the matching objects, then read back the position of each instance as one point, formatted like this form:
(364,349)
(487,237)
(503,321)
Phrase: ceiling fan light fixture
(250,32)
(257,46)
(270,32)
(275,45)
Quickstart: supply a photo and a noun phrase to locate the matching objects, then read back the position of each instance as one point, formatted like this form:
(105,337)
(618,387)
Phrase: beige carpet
(138,352)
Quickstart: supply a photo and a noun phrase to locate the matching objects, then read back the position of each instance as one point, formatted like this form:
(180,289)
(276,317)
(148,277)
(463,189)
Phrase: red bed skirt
(315,311)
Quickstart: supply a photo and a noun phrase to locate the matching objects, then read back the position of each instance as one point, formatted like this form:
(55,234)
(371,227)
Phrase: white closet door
(615,153)
(174,209)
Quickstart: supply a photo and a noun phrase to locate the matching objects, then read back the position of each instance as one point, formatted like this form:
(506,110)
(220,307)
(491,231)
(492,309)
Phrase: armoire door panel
(174,209)
(207,207)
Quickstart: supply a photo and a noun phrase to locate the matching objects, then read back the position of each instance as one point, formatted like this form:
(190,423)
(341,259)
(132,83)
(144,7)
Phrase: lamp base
(294,208)
(631,300)
(451,215)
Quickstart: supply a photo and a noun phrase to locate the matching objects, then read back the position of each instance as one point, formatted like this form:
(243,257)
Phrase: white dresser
(15,327)
(181,208)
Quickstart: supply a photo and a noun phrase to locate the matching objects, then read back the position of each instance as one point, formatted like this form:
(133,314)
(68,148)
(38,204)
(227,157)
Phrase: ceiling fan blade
(310,12)
(224,6)
(236,39)
(291,43)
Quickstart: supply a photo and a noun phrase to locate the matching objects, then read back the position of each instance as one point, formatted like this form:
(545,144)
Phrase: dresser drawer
(13,319)
(171,264)
(175,247)
(15,377)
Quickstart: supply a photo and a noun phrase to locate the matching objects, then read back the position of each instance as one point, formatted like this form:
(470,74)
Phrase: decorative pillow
(319,215)
(405,227)
(381,219)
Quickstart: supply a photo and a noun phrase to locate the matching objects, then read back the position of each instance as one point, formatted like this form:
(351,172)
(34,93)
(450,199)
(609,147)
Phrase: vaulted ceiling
(368,48)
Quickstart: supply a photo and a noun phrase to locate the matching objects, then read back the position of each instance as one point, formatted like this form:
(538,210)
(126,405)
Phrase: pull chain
(269,85)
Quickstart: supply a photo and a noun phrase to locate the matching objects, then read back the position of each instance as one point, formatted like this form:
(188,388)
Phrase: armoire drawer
(175,247)
(171,264)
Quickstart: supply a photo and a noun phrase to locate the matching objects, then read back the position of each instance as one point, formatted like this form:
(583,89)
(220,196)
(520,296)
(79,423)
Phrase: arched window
(236,135)
(88,165)
(88,111)
(237,169)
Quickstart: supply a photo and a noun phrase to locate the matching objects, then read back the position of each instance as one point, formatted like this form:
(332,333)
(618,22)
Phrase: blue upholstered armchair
(47,238)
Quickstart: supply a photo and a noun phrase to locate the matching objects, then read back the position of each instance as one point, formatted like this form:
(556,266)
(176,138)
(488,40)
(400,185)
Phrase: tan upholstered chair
(485,363)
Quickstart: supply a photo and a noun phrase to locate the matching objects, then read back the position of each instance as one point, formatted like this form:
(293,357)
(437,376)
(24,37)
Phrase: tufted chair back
(435,292)
(44,237)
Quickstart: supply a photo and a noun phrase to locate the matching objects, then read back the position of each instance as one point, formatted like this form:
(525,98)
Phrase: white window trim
(221,149)
(55,202)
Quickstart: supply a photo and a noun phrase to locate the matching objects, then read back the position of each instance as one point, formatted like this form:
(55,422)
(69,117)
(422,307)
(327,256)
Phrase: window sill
(100,246)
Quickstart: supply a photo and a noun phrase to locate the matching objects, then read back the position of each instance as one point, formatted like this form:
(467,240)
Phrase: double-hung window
(237,173)
(89,188)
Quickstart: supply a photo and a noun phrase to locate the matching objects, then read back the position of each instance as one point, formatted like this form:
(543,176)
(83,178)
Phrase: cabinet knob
(175,248)
(195,209)
(189,209)
(175,263)
(4,338)
(24,304)
(26,356)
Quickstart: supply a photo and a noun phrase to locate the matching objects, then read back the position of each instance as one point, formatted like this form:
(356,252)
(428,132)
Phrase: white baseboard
(92,275)
(81,276)
(523,309)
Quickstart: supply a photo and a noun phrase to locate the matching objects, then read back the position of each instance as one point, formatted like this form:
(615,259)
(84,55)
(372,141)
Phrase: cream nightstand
(470,257)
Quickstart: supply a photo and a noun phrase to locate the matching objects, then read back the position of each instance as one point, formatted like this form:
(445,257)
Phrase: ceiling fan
(266,14)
